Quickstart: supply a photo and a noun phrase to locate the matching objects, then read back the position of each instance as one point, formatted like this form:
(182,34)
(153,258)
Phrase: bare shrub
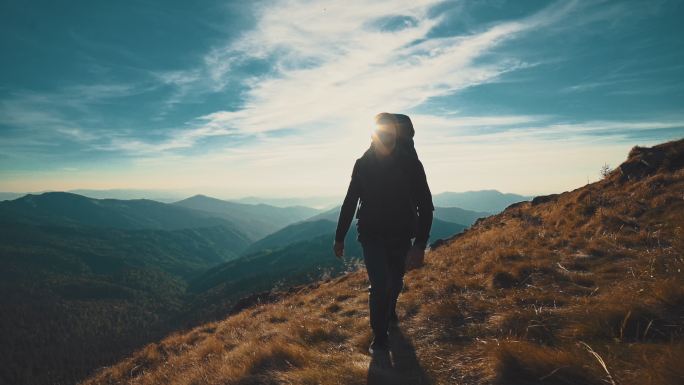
(605,171)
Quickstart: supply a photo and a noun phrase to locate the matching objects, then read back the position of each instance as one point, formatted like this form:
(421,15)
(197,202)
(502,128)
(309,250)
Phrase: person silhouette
(395,207)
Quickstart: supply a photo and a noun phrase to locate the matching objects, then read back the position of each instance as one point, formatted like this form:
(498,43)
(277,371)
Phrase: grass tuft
(503,280)
(528,364)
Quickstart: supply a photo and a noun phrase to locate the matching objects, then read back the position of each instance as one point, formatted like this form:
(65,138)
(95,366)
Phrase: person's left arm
(425,208)
(424,205)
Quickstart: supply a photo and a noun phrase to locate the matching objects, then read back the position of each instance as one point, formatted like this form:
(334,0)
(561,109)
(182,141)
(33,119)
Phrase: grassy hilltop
(584,287)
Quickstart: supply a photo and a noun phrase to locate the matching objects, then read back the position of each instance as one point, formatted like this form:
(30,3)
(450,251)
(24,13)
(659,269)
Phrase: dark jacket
(395,199)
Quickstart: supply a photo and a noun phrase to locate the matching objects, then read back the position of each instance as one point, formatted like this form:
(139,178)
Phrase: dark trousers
(385,263)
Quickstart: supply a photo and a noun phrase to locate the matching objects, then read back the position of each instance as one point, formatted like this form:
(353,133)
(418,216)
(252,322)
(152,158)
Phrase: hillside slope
(584,287)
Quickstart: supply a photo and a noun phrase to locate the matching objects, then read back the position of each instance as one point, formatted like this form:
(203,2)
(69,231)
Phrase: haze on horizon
(276,98)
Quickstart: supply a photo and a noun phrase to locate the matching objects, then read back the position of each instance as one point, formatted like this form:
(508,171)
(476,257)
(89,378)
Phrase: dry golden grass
(524,363)
(585,287)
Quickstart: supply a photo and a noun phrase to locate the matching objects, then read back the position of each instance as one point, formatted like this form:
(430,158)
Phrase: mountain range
(81,273)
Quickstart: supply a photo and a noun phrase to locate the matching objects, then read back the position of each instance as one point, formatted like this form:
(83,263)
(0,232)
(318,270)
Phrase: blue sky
(276,98)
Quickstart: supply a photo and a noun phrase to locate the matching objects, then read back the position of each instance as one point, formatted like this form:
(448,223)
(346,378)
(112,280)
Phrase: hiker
(396,206)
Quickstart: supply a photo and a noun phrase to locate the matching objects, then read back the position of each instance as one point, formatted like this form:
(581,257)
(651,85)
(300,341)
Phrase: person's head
(384,135)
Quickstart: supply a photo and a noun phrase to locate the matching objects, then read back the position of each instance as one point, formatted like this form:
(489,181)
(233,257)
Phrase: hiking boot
(379,346)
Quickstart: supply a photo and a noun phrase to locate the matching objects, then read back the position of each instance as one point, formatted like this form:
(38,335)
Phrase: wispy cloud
(48,119)
(335,63)
(507,129)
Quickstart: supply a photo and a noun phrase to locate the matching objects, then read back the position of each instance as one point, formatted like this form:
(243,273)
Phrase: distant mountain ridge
(311,201)
(128,194)
(256,220)
(5,196)
(67,209)
(491,201)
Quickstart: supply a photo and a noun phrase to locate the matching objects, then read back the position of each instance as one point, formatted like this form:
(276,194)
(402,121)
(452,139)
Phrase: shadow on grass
(398,366)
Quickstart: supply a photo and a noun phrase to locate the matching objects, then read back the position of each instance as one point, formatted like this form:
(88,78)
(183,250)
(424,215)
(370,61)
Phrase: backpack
(407,157)
(405,133)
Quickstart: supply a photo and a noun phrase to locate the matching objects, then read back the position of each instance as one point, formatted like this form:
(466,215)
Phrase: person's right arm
(348,210)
